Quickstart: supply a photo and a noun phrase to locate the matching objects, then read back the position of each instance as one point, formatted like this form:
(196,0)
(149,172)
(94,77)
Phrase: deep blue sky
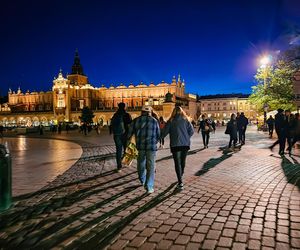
(213,44)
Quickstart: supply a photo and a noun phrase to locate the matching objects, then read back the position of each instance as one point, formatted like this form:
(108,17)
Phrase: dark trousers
(242,135)
(205,137)
(271,129)
(179,160)
(120,142)
(232,139)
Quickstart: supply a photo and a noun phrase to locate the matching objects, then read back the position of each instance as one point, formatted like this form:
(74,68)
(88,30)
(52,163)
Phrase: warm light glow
(265,60)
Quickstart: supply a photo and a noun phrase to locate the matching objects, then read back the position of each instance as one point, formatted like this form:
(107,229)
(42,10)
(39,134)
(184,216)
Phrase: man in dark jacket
(280,131)
(270,123)
(119,127)
(242,123)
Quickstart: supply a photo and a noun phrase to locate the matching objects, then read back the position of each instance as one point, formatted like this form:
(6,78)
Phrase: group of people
(287,127)
(148,130)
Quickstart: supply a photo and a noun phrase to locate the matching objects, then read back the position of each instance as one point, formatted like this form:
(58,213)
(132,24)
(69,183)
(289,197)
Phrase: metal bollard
(5,178)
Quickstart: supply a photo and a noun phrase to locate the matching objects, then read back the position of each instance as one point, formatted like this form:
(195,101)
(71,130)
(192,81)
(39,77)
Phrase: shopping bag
(131,153)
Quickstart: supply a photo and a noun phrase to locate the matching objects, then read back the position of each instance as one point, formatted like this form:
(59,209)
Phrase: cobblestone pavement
(245,199)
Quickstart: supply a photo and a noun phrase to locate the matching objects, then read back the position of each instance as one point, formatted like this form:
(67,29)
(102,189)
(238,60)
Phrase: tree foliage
(274,86)
(87,115)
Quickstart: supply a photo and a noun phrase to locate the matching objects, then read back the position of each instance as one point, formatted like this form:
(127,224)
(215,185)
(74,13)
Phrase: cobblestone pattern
(246,199)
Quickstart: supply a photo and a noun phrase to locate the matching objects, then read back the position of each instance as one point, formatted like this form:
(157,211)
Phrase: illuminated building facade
(69,95)
(220,107)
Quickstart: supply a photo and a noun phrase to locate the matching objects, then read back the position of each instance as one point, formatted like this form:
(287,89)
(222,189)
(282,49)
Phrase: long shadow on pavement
(103,237)
(291,170)
(212,162)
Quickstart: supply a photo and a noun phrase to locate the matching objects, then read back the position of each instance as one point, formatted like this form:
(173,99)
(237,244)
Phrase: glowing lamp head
(265,60)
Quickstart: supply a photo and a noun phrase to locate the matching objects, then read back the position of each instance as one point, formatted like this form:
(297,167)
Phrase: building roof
(223,96)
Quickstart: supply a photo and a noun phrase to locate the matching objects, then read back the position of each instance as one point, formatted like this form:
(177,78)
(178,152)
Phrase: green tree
(274,86)
(87,115)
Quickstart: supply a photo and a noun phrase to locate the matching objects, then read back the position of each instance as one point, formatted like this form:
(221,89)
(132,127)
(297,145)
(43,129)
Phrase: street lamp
(264,62)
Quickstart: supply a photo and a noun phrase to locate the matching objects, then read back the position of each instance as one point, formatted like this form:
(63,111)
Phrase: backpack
(117,124)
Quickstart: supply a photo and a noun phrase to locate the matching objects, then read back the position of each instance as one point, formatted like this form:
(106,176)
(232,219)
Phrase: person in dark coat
(289,127)
(242,123)
(295,131)
(119,127)
(271,123)
(232,129)
(206,126)
(280,131)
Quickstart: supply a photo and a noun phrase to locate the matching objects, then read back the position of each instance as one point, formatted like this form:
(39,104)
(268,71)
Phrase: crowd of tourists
(149,131)
(287,127)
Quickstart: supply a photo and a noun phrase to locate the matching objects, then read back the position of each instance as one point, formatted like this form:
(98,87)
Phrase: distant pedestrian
(162,125)
(59,128)
(242,123)
(280,131)
(41,129)
(231,130)
(119,127)
(289,127)
(295,132)
(1,130)
(67,128)
(271,123)
(180,131)
(146,130)
(206,126)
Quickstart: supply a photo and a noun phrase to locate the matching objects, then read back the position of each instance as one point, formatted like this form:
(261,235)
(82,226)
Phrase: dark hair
(121,105)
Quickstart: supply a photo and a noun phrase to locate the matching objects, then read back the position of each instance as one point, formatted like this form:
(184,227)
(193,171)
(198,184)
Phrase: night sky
(213,44)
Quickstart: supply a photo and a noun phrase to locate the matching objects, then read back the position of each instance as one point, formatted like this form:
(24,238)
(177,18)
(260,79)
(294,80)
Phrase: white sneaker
(150,191)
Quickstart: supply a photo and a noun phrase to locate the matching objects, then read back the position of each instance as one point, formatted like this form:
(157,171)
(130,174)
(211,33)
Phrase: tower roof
(77,67)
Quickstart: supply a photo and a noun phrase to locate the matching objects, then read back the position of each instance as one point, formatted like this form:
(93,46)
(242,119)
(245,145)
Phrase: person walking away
(271,123)
(67,128)
(41,129)
(119,128)
(146,130)
(243,122)
(1,130)
(180,131)
(206,126)
(232,129)
(162,125)
(280,131)
(239,127)
(289,127)
(295,131)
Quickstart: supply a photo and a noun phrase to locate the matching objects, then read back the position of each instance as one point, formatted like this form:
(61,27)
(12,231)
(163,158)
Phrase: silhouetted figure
(59,128)
(280,131)
(67,128)
(295,132)
(206,126)
(271,123)
(41,129)
(119,127)
(1,130)
(162,125)
(231,130)
(242,124)
(180,130)
(289,127)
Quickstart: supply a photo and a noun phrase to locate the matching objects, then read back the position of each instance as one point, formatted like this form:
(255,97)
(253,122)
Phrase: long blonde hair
(178,111)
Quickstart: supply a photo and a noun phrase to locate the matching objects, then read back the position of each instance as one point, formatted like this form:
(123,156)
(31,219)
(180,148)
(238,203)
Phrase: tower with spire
(77,77)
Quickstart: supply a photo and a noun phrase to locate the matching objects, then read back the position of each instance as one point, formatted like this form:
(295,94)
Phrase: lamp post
(264,62)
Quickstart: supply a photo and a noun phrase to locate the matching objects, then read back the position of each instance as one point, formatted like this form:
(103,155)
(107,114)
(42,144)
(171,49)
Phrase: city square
(243,199)
(129,124)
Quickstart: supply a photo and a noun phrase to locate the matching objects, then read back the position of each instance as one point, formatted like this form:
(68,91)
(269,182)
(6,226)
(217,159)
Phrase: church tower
(77,77)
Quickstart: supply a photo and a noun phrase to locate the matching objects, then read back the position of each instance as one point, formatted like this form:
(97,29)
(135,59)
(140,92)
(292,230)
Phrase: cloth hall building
(71,93)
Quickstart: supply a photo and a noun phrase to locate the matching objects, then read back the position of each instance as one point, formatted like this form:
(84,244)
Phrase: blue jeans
(146,168)
(120,142)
